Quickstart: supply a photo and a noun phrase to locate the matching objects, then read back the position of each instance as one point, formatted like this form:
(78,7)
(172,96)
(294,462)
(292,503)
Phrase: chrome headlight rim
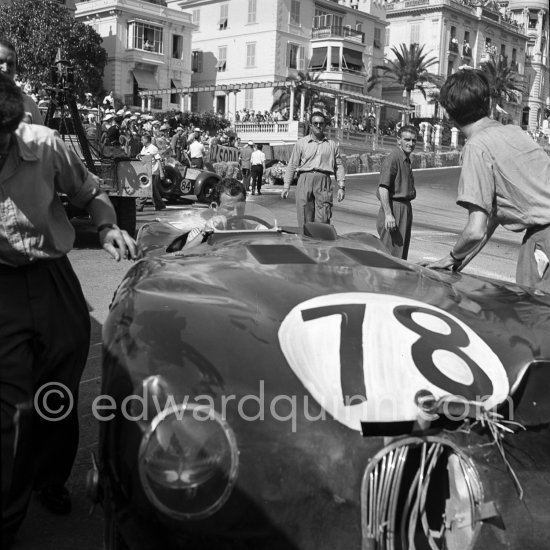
(204,411)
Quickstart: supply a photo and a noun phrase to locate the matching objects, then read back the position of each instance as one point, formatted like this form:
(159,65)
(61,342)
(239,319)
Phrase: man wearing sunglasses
(315,158)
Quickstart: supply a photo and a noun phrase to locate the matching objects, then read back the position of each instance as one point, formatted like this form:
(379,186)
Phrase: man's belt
(325,173)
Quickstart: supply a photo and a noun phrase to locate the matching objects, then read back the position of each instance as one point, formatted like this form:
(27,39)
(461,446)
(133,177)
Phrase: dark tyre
(169,185)
(206,193)
(125,208)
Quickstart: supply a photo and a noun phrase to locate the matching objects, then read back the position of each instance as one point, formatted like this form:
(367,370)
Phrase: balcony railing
(453,46)
(466,51)
(338,32)
(514,66)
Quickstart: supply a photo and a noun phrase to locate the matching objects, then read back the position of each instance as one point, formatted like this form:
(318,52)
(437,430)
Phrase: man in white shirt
(257,162)
(151,150)
(197,151)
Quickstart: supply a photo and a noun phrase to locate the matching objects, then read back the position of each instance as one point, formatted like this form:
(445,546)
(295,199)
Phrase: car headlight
(188,462)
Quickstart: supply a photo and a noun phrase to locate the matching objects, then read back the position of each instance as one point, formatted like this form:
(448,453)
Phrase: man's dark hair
(147,136)
(318,114)
(259,146)
(407,128)
(12,109)
(231,186)
(466,96)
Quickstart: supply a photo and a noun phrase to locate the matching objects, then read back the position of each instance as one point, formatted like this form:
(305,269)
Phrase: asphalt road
(437,221)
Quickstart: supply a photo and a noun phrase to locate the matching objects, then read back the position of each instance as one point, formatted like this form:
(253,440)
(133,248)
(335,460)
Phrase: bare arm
(475,234)
(114,240)
(389,219)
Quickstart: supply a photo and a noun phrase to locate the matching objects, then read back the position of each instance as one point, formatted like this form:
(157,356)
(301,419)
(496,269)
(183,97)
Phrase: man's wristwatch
(104,226)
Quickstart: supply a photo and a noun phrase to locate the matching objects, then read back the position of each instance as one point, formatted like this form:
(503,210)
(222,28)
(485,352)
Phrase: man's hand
(444,263)
(389,222)
(284,193)
(341,194)
(119,244)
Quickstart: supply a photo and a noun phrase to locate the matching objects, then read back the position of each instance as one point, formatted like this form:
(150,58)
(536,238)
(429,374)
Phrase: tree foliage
(409,70)
(302,86)
(505,83)
(37,28)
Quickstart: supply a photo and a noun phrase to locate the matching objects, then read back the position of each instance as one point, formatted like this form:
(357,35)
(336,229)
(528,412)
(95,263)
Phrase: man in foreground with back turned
(44,319)
(505,179)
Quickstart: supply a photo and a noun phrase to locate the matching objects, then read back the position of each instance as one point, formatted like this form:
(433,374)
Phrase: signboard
(221,153)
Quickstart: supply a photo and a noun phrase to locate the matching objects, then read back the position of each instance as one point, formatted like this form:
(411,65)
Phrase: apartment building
(533,16)
(457,33)
(240,42)
(148,46)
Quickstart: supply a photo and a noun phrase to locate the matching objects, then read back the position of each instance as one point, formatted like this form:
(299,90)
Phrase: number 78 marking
(352,368)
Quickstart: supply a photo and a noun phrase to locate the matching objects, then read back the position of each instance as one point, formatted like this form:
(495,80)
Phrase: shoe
(139,209)
(253,192)
(56,499)
(259,193)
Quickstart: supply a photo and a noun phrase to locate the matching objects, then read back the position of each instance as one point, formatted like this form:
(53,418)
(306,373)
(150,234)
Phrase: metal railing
(338,32)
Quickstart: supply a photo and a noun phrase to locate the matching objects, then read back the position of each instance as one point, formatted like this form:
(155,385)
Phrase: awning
(318,57)
(145,79)
(176,83)
(353,58)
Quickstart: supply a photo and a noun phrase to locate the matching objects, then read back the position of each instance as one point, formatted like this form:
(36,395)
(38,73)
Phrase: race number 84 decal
(364,356)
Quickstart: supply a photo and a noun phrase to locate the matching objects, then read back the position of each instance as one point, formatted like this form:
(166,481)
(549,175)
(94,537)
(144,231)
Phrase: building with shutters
(467,32)
(148,46)
(533,16)
(240,42)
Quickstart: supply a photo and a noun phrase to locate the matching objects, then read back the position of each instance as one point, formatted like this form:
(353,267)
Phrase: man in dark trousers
(257,169)
(395,192)
(44,319)
(315,158)
(245,155)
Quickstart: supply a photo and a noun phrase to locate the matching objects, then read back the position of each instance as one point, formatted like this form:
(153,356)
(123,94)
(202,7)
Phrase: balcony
(514,66)
(503,60)
(466,51)
(453,46)
(320,33)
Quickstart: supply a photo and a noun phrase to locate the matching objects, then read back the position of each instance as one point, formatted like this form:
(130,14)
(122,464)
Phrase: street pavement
(437,222)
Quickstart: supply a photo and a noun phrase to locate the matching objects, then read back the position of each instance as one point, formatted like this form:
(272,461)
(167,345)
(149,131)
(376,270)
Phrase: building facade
(148,46)
(533,16)
(247,41)
(458,33)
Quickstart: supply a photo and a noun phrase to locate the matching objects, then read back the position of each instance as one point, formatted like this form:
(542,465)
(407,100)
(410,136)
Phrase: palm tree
(504,82)
(409,70)
(301,81)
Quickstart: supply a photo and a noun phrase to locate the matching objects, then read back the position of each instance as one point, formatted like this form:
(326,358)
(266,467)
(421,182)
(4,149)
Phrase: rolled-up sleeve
(477,183)
(71,175)
(339,170)
(292,165)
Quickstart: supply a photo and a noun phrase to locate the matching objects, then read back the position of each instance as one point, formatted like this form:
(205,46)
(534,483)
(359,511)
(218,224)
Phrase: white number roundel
(364,356)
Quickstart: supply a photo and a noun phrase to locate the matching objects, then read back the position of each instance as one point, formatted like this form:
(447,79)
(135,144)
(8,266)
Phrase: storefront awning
(176,83)
(353,58)
(145,80)
(318,58)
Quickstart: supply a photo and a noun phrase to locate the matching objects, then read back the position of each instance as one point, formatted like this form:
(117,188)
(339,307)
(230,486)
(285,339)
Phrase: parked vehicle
(182,181)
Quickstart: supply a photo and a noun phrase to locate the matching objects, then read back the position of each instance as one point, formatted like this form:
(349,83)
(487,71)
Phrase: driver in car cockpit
(229,198)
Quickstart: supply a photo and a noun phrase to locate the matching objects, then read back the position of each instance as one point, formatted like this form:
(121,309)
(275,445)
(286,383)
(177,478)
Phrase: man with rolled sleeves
(316,158)
(44,319)
(395,193)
